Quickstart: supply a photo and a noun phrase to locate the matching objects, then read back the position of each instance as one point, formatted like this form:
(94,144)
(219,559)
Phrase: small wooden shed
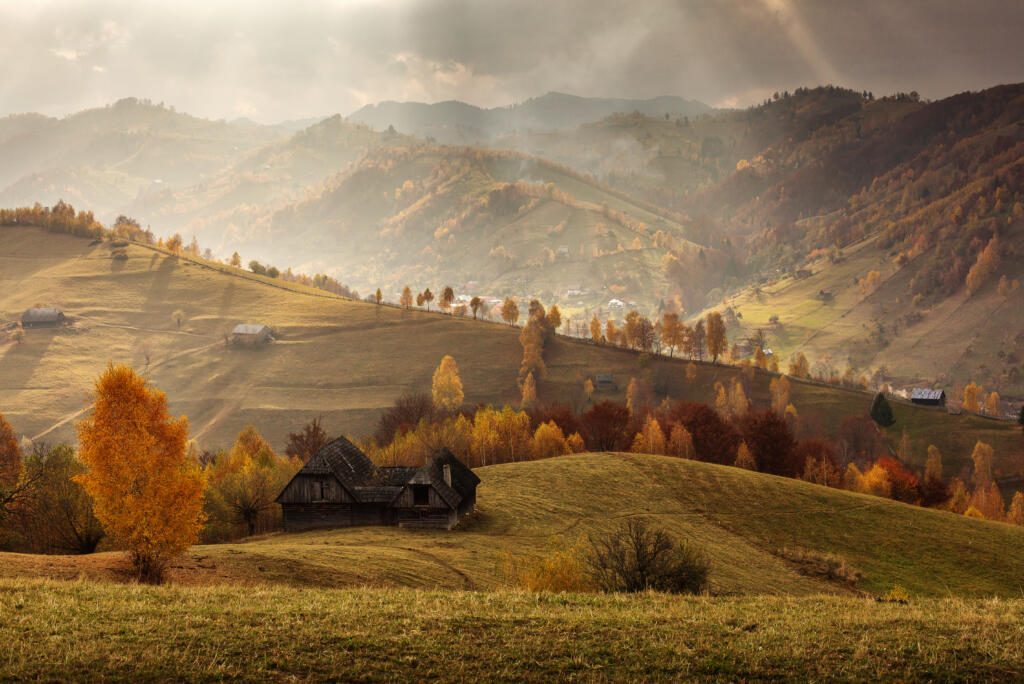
(250,334)
(928,397)
(43,317)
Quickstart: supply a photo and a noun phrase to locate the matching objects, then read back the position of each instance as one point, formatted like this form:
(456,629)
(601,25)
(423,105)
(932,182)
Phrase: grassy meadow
(336,358)
(745,522)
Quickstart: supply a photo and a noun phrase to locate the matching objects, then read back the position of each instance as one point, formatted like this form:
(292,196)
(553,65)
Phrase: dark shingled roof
(345,461)
(369,484)
(396,475)
(464,480)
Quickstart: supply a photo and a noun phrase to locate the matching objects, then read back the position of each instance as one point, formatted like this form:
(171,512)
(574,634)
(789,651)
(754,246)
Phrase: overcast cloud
(274,60)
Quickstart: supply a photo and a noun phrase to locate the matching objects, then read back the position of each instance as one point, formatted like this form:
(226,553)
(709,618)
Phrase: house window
(420,495)
(323,488)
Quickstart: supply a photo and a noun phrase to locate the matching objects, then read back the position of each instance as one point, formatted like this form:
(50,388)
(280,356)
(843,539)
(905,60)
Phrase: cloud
(272,60)
(66,53)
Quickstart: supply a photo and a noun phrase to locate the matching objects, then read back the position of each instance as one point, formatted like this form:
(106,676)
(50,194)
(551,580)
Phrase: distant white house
(616,304)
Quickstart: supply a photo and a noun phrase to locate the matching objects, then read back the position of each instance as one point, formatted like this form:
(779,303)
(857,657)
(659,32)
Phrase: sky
(274,60)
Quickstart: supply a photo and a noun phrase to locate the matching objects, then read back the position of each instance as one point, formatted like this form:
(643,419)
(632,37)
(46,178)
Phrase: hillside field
(336,358)
(527,510)
(950,341)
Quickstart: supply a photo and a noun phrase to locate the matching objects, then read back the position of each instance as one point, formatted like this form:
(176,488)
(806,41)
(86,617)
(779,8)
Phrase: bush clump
(637,557)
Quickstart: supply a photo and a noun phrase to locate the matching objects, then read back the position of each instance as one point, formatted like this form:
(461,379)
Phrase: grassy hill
(743,520)
(382,603)
(341,359)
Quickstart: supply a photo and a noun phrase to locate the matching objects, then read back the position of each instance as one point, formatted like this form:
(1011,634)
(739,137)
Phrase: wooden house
(43,317)
(250,334)
(928,397)
(341,487)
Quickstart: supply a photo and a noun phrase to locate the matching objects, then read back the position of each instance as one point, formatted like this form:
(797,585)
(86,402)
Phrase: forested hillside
(494,223)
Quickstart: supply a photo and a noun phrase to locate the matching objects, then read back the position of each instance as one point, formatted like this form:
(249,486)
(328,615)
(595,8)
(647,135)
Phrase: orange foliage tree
(717,342)
(146,492)
(549,441)
(972,401)
(446,387)
(10,456)
(244,483)
(10,468)
(986,264)
(779,389)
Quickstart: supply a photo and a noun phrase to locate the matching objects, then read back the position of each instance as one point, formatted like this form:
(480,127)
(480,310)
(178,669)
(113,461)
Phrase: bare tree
(636,557)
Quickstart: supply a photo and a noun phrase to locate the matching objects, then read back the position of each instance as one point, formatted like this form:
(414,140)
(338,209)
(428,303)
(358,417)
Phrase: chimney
(447,474)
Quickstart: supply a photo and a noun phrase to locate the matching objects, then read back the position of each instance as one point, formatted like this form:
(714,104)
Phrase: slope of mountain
(488,223)
(224,208)
(843,317)
(336,358)
(938,195)
(814,174)
(459,123)
(111,155)
(667,160)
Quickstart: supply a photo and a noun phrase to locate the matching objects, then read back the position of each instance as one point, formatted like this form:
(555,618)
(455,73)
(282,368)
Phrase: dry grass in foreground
(91,631)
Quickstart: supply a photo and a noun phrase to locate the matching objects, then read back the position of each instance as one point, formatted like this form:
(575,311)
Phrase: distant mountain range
(455,122)
(897,220)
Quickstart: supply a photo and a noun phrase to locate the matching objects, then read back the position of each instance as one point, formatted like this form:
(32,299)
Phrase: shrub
(827,566)
(636,557)
(561,571)
(895,595)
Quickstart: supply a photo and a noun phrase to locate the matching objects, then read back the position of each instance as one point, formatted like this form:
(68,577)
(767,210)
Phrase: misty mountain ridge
(456,122)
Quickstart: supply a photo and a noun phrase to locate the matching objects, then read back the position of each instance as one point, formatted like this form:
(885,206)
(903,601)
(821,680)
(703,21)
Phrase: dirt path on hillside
(466,580)
(74,415)
(125,326)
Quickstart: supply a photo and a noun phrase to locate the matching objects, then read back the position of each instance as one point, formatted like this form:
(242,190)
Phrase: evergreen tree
(881,411)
